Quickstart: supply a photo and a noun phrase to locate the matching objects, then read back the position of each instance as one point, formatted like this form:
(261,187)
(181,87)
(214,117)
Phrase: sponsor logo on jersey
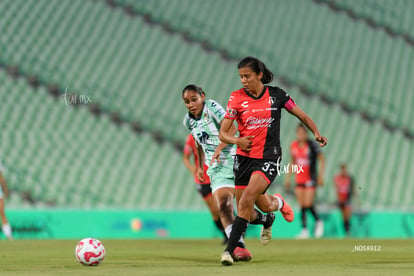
(302,161)
(203,137)
(245,104)
(257,122)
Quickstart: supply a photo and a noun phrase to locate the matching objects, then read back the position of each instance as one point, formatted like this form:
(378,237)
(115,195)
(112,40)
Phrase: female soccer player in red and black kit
(344,184)
(203,187)
(305,155)
(257,110)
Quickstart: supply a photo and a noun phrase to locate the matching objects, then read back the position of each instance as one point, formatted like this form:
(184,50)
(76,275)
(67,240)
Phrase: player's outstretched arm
(187,163)
(226,135)
(310,124)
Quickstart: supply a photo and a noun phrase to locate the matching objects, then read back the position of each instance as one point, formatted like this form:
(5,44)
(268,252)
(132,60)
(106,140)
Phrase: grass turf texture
(201,257)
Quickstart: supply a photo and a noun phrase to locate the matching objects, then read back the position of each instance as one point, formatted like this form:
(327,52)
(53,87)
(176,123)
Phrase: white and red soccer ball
(90,251)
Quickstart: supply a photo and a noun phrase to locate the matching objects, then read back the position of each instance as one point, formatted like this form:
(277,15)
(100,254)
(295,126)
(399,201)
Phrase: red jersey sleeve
(189,145)
(231,110)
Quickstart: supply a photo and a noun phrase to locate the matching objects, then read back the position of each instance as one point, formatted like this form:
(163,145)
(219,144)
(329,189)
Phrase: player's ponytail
(257,66)
(195,88)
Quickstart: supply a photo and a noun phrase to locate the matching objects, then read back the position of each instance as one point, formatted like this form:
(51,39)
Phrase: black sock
(303,216)
(220,227)
(347,226)
(312,210)
(265,219)
(238,229)
(260,218)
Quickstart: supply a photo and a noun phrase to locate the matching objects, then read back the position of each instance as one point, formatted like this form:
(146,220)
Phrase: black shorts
(344,204)
(311,184)
(204,190)
(244,167)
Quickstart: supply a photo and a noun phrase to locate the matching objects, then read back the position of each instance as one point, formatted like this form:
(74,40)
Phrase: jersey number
(267,168)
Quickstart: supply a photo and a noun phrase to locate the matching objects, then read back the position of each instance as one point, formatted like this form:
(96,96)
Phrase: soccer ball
(90,251)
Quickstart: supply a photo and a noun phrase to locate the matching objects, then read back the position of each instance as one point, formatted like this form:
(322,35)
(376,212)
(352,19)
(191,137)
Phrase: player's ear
(260,75)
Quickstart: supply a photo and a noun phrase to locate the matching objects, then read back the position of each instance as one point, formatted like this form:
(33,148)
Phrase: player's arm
(309,123)
(222,145)
(187,162)
(201,157)
(3,184)
(321,159)
(226,135)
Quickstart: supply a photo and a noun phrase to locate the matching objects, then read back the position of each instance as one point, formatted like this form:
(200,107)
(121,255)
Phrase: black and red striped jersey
(259,117)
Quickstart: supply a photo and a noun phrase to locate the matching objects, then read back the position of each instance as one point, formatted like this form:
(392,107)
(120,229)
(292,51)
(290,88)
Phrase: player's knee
(225,205)
(245,204)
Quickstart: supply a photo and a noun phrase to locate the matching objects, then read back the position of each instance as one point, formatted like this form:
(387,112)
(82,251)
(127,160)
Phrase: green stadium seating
(357,65)
(66,156)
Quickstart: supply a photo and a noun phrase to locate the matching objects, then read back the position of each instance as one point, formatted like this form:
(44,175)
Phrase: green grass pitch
(201,257)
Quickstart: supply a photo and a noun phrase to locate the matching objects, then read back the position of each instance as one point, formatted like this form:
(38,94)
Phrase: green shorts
(221,177)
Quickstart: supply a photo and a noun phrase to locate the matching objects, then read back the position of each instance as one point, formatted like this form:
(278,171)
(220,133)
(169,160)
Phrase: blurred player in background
(257,110)
(344,184)
(304,154)
(203,187)
(4,192)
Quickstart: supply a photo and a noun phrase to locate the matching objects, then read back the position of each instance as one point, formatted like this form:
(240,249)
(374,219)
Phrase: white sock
(7,230)
(228,232)
(280,202)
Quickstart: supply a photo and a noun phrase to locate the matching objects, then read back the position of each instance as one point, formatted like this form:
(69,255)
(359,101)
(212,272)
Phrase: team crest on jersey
(272,100)
(232,112)
(206,119)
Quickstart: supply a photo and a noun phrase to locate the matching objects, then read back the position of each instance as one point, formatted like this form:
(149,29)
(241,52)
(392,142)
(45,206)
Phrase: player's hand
(321,140)
(245,143)
(200,174)
(319,181)
(216,156)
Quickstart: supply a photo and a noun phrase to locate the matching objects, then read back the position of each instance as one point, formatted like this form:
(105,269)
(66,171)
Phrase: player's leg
(240,253)
(300,196)
(257,185)
(206,193)
(347,211)
(223,198)
(268,204)
(4,222)
(309,203)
